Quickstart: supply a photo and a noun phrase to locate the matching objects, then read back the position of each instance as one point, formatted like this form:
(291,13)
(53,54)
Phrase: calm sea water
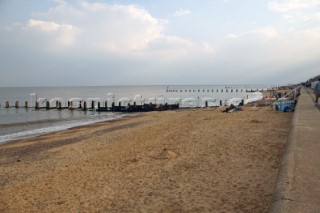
(17,123)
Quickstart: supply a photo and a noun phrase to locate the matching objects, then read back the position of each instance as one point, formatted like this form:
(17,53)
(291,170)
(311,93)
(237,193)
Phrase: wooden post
(69,104)
(98,105)
(17,104)
(7,104)
(206,103)
(37,105)
(47,105)
(112,106)
(84,105)
(220,102)
(59,105)
(92,104)
(106,104)
(26,105)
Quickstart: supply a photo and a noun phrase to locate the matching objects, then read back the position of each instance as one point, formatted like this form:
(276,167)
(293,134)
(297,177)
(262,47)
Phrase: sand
(196,160)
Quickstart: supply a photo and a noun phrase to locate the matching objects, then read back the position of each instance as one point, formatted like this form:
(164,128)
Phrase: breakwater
(125,98)
(122,105)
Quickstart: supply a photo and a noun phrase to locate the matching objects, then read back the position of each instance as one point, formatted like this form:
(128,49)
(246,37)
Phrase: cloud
(208,49)
(62,33)
(231,36)
(170,46)
(297,10)
(181,12)
(112,28)
(98,43)
(304,17)
(265,53)
(44,26)
(262,34)
(289,5)
(315,16)
(266,33)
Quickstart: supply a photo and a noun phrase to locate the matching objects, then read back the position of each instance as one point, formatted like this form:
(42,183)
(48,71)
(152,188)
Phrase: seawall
(298,183)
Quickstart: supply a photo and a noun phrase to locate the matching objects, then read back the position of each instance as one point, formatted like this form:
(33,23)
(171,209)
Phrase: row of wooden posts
(59,105)
(113,108)
(17,105)
(217,90)
(82,105)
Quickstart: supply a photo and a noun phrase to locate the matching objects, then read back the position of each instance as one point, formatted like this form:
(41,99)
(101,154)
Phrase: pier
(224,89)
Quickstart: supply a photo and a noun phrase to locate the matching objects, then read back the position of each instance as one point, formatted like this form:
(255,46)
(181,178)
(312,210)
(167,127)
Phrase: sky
(140,42)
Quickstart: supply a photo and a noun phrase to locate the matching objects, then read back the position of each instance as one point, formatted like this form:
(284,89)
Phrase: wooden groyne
(138,108)
(97,106)
(17,104)
(138,103)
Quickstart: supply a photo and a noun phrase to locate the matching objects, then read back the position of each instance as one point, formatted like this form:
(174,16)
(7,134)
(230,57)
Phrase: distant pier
(223,89)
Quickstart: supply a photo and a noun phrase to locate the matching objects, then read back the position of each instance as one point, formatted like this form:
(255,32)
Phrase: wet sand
(174,161)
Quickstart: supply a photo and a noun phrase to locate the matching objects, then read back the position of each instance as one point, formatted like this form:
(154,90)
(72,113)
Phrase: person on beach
(241,103)
(308,84)
(317,91)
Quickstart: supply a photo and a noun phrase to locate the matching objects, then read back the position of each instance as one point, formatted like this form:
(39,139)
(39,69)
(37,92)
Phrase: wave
(55,128)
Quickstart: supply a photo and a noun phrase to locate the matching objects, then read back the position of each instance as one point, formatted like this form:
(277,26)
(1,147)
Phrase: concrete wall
(298,183)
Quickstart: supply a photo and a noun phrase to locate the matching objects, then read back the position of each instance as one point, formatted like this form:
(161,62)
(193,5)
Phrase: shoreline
(56,126)
(45,120)
(187,160)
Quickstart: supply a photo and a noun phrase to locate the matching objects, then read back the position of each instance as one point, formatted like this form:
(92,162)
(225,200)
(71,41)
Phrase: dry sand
(174,161)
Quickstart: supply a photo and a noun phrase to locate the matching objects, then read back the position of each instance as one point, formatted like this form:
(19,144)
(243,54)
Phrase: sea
(21,122)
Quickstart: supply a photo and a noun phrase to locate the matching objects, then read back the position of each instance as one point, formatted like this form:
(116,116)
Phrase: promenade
(298,184)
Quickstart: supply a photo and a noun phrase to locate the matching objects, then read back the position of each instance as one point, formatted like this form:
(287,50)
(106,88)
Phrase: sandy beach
(195,160)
